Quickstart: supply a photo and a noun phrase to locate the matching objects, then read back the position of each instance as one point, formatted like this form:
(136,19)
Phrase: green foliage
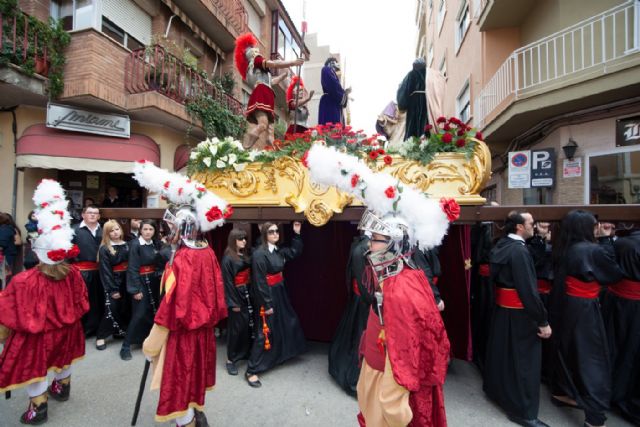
(279,129)
(217,119)
(226,82)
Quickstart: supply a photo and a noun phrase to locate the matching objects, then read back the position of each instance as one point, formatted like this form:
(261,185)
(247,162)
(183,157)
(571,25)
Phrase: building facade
(131,67)
(554,76)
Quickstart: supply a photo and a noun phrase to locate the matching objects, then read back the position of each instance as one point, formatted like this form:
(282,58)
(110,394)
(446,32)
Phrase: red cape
(417,344)
(44,316)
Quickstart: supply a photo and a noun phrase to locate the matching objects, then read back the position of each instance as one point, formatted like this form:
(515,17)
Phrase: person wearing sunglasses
(278,334)
(235,274)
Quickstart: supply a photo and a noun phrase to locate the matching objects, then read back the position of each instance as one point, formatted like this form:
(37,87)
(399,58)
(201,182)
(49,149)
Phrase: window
(442,11)
(74,14)
(119,35)
(443,66)
(462,24)
(255,20)
(614,178)
(463,103)
(537,196)
(430,55)
(285,45)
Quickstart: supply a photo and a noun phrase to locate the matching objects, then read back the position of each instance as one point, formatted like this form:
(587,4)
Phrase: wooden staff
(295,111)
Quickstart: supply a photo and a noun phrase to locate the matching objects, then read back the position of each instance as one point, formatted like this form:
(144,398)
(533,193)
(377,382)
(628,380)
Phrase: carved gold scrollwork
(318,213)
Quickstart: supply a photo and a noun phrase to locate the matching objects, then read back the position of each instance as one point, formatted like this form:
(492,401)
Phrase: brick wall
(36,8)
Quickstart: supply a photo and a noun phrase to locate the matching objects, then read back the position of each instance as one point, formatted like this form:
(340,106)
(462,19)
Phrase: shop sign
(628,131)
(543,167)
(78,120)
(520,169)
(572,168)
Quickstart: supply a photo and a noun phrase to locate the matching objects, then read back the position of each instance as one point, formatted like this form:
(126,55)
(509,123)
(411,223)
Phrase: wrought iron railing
(22,44)
(154,69)
(568,56)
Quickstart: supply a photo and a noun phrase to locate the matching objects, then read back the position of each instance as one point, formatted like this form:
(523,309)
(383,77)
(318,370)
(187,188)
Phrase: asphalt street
(299,393)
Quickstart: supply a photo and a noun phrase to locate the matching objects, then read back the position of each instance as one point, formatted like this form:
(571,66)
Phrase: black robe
(116,311)
(239,323)
(143,311)
(582,369)
(482,298)
(512,364)
(622,322)
(89,245)
(286,337)
(344,351)
(412,98)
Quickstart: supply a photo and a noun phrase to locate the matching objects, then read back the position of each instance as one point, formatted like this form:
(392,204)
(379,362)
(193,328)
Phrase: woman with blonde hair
(112,266)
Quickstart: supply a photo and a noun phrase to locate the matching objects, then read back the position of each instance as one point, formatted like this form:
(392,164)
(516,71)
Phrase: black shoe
(102,346)
(201,419)
(559,403)
(35,415)
(231,368)
(59,391)
(125,353)
(527,423)
(254,384)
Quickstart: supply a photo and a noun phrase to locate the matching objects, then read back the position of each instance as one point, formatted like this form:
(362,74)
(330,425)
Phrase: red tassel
(265,329)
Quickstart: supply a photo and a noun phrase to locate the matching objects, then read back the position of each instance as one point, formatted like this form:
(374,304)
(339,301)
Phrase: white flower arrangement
(220,154)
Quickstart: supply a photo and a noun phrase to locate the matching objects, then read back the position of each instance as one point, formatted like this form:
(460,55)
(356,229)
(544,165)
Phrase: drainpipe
(166,33)
(14,128)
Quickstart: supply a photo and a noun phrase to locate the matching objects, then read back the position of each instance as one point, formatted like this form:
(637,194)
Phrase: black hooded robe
(237,296)
(412,98)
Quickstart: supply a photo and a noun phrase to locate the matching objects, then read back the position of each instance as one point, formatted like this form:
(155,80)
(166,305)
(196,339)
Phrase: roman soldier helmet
(244,52)
(53,244)
(292,88)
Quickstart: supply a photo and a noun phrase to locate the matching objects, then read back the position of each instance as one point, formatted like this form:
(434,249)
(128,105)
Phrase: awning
(43,147)
(181,157)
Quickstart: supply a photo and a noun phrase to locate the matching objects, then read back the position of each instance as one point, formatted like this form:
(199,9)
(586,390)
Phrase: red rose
(354,180)
(228,211)
(390,192)
(59,213)
(180,191)
(446,127)
(142,161)
(447,138)
(73,252)
(374,154)
(381,151)
(451,208)
(441,119)
(214,214)
(460,142)
(166,185)
(455,121)
(56,227)
(44,205)
(479,136)
(201,189)
(304,158)
(427,128)
(460,132)
(56,254)
(351,141)
(388,160)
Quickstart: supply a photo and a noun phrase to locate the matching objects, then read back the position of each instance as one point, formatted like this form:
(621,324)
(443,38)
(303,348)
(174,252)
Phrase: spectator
(134,229)
(135,200)
(7,243)
(30,258)
(88,201)
(111,200)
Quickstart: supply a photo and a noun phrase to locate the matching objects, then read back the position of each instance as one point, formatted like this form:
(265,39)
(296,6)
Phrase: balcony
(494,14)
(588,64)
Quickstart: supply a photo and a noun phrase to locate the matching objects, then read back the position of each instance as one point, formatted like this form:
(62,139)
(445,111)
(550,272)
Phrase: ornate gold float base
(285,182)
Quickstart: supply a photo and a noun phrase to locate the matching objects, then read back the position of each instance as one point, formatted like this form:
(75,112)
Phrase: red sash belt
(242,278)
(86,265)
(544,286)
(354,285)
(147,269)
(578,288)
(119,268)
(483,270)
(508,298)
(435,280)
(627,289)
(274,279)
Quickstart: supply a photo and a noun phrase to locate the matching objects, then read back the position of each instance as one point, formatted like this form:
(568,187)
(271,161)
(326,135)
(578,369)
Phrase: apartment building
(131,66)
(557,77)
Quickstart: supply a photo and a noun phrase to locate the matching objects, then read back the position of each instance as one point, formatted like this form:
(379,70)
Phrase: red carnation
(59,213)
(354,179)
(460,132)
(214,214)
(142,161)
(166,185)
(441,119)
(228,211)
(427,128)
(374,154)
(381,151)
(446,127)
(73,252)
(44,205)
(451,208)
(56,254)
(180,191)
(460,142)
(201,189)
(388,160)
(56,227)
(304,158)
(455,121)
(479,136)
(447,138)
(390,192)
(351,141)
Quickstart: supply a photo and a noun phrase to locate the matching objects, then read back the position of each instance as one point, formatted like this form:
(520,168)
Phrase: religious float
(450,161)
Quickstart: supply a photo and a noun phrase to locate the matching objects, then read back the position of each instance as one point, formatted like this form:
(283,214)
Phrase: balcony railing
(22,44)
(235,13)
(562,58)
(154,69)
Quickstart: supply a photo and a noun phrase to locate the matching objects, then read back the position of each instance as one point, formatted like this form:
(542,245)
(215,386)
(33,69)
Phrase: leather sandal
(254,384)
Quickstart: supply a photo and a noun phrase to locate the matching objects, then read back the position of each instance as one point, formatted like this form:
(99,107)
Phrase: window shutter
(130,17)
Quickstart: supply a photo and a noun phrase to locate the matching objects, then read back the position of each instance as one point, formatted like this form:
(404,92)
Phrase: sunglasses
(378,241)
(273,232)
(241,239)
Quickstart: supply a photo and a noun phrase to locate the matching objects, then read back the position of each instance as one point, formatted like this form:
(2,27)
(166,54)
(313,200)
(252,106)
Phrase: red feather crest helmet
(292,86)
(243,42)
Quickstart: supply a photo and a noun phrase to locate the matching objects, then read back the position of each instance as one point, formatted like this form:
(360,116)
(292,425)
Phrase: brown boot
(60,389)
(37,411)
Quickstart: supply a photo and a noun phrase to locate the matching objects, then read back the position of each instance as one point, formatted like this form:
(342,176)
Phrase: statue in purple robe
(334,97)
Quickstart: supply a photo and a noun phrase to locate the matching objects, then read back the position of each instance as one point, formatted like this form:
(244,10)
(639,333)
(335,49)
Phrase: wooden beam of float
(285,183)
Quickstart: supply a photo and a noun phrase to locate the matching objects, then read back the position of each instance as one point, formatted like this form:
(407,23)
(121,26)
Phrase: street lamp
(570,149)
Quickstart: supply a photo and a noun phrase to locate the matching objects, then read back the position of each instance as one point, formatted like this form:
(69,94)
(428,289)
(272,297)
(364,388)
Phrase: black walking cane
(143,382)
(7,394)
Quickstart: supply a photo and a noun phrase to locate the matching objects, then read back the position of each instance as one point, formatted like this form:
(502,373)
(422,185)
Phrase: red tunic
(44,316)
(417,345)
(262,98)
(189,310)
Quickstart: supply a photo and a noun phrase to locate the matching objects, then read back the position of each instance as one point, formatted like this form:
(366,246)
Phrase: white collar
(94,231)
(144,242)
(116,244)
(516,237)
(271,247)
